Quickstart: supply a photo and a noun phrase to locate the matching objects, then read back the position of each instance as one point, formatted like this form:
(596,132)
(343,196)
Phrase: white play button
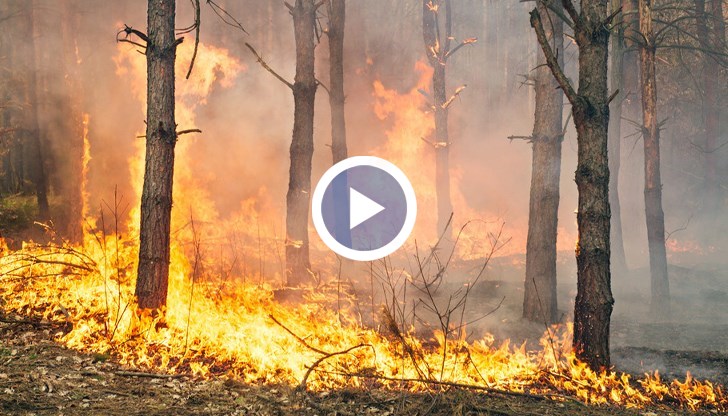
(364,208)
(361,208)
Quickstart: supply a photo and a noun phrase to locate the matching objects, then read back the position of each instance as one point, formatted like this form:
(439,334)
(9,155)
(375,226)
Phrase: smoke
(232,178)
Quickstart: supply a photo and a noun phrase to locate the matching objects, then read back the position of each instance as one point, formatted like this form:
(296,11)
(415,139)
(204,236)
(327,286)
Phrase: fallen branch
(301,340)
(31,322)
(443,383)
(302,385)
(145,375)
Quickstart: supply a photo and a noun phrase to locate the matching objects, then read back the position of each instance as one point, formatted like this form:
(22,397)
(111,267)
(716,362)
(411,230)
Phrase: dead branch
(569,7)
(31,322)
(146,375)
(179,133)
(34,260)
(128,31)
(527,138)
(452,98)
(302,385)
(322,85)
(566,124)
(301,340)
(226,17)
(551,59)
(682,228)
(613,96)
(558,12)
(188,131)
(268,68)
(196,25)
(468,41)
(440,383)
(704,150)
(610,18)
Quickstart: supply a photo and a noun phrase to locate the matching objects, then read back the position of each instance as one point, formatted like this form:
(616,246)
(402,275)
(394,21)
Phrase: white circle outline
(409,196)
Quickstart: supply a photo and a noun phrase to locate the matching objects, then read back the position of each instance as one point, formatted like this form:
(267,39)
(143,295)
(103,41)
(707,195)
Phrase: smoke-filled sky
(237,168)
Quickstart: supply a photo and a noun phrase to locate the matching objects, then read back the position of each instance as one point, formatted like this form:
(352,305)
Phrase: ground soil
(40,377)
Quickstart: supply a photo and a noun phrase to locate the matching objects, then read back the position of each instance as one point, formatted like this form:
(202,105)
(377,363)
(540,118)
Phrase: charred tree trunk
(590,108)
(437,49)
(337,16)
(539,302)
(161,137)
(660,304)
(298,265)
(618,261)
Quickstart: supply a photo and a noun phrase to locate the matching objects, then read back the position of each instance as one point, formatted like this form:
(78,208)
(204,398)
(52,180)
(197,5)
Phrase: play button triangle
(361,208)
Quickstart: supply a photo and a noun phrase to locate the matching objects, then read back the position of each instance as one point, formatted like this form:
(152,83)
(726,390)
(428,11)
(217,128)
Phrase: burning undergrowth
(214,327)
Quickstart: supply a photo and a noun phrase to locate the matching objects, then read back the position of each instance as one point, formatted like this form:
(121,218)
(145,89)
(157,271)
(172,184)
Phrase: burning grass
(228,328)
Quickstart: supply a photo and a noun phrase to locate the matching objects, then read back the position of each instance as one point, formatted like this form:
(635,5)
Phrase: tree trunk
(12,147)
(298,265)
(59,110)
(442,152)
(539,302)
(660,304)
(618,261)
(29,131)
(711,108)
(337,16)
(436,49)
(630,62)
(590,107)
(161,136)
(73,195)
(594,302)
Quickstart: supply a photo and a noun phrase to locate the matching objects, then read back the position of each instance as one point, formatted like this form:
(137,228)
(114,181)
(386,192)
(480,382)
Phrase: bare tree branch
(268,68)
(551,59)
(468,41)
(226,17)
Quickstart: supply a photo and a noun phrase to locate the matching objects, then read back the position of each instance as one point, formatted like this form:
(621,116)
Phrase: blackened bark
(660,302)
(594,302)
(618,261)
(437,48)
(337,16)
(539,301)
(298,265)
(161,137)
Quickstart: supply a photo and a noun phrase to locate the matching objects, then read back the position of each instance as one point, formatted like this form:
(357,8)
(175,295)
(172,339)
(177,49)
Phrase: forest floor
(40,377)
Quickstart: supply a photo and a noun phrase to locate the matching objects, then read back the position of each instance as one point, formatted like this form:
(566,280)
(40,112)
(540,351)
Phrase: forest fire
(215,328)
(162,217)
